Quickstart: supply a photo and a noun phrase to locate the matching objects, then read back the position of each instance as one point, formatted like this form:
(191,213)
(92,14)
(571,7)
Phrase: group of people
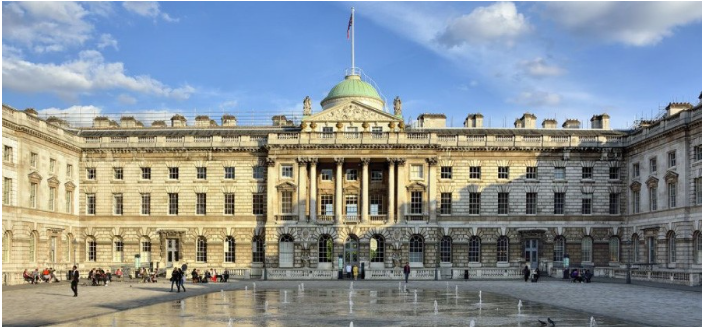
(148,276)
(178,277)
(581,276)
(210,275)
(352,271)
(99,275)
(532,274)
(34,277)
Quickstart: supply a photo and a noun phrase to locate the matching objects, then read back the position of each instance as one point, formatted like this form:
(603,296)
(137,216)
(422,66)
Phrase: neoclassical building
(353,184)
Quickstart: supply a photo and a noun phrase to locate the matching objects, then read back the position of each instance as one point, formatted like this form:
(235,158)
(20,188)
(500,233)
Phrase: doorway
(352,250)
(171,252)
(531,252)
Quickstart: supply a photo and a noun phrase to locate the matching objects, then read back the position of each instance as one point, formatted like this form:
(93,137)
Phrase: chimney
(674,108)
(178,121)
(229,120)
(128,122)
(57,122)
(101,122)
(474,120)
(280,120)
(31,111)
(159,124)
(550,124)
(571,124)
(202,121)
(431,120)
(600,121)
(113,124)
(526,121)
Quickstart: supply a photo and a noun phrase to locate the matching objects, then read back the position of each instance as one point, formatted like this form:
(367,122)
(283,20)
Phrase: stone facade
(353,173)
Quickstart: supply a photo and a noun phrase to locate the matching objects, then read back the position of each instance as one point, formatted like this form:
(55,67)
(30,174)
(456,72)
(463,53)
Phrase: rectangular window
(326,205)
(475,203)
(69,171)
(559,173)
(351,204)
(651,250)
(6,190)
(33,195)
(416,203)
(69,202)
(531,172)
(417,171)
(146,173)
(173,203)
(201,203)
(229,203)
(377,175)
(698,190)
(531,203)
(614,203)
(90,204)
(653,165)
(559,204)
(287,171)
(672,193)
(672,159)
(446,172)
(7,153)
(326,174)
(475,172)
(90,173)
(653,193)
(117,173)
(119,248)
(636,170)
(146,204)
(446,203)
(33,159)
(587,173)
(376,204)
(117,203)
(229,172)
(698,153)
(52,165)
(351,174)
(52,198)
(259,204)
(286,202)
(503,203)
(201,173)
(614,173)
(503,172)
(92,251)
(173,172)
(635,197)
(587,206)
(258,172)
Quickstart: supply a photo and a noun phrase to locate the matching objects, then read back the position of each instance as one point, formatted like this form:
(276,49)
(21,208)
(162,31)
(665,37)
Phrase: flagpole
(353,41)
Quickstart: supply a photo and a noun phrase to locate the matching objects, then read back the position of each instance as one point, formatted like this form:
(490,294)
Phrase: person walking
(406,271)
(526,273)
(74,281)
(355,271)
(182,279)
(174,277)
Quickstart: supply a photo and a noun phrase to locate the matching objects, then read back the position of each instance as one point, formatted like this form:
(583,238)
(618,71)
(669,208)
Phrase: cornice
(40,135)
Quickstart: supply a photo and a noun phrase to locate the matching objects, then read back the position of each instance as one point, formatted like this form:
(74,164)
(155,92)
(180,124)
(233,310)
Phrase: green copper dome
(352,86)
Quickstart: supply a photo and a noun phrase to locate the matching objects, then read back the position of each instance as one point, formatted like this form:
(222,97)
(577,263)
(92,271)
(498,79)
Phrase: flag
(349,26)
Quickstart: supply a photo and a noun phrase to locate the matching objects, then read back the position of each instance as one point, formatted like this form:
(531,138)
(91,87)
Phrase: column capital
(431,161)
(401,161)
(339,160)
(302,160)
(270,161)
(313,161)
(365,161)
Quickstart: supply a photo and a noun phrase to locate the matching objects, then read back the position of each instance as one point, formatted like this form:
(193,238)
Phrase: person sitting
(118,273)
(35,275)
(535,275)
(576,277)
(588,276)
(28,276)
(194,276)
(91,276)
(45,275)
(52,276)
(225,275)
(207,276)
(215,275)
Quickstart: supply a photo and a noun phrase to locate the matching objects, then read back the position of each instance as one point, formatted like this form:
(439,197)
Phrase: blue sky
(556,60)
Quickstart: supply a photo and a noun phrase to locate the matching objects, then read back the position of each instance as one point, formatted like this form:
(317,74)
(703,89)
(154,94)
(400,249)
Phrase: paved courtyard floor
(649,305)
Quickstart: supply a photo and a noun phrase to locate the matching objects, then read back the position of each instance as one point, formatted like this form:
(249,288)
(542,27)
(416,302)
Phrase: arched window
(446,249)
(475,249)
(415,252)
(325,249)
(376,248)
(587,249)
(91,249)
(229,249)
(33,246)
(635,245)
(614,249)
(286,251)
(502,249)
(671,247)
(118,250)
(697,247)
(258,249)
(201,250)
(145,251)
(6,246)
(558,249)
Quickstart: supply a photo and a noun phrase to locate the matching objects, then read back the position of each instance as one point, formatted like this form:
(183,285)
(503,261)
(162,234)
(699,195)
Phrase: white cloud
(539,68)
(229,104)
(77,116)
(106,40)
(536,98)
(88,73)
(45,26)
(499,22)
(147,9)
(630,23)
(126,99)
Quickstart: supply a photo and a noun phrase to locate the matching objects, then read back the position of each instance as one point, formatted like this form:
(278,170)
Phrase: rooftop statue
(306,106)
(397,106)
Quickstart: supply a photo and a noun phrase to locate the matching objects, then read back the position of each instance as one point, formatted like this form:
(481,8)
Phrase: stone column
(338,189)
(313,190)
(365,190)
(401,182)
(432,188)
(271,190)
(302,178)
(391,208)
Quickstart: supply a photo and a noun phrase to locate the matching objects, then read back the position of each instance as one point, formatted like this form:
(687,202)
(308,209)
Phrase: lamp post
(629,243)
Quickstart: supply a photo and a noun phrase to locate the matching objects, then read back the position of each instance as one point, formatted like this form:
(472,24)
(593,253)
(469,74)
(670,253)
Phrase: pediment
(69,186)
(53,181)
(671,176)
(652,181)
(416,186)
(34,177)
(286,186)
(351,111)
(635,186)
